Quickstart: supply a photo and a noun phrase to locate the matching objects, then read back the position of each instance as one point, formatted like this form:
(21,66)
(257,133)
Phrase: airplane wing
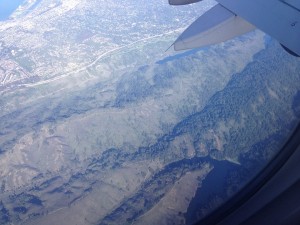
(216,25)
(278,18)
(182,2)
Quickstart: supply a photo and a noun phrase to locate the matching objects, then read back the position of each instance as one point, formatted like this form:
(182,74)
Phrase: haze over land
(99,125)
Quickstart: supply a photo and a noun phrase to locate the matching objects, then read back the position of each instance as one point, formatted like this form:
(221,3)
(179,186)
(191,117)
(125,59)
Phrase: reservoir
(7,7)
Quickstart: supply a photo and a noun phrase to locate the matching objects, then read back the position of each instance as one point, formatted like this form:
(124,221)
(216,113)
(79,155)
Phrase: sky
(7,7)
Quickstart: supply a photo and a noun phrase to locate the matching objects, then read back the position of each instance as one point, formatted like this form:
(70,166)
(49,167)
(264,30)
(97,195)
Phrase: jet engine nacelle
(182,2)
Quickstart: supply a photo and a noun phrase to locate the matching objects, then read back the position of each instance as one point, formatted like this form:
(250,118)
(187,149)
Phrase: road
(75,71)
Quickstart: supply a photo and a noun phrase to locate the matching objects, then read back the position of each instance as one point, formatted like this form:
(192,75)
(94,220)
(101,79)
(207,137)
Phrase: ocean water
(7,7)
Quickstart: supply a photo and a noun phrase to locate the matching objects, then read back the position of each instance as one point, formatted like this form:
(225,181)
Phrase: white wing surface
(216,25)
(278,18)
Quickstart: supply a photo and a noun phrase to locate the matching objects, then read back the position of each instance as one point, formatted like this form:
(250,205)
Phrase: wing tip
(170,47)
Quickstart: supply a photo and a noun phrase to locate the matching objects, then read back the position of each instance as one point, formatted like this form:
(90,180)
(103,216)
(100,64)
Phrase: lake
(7,7)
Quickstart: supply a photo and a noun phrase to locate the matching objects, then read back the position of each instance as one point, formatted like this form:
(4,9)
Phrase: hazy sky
(7,7)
